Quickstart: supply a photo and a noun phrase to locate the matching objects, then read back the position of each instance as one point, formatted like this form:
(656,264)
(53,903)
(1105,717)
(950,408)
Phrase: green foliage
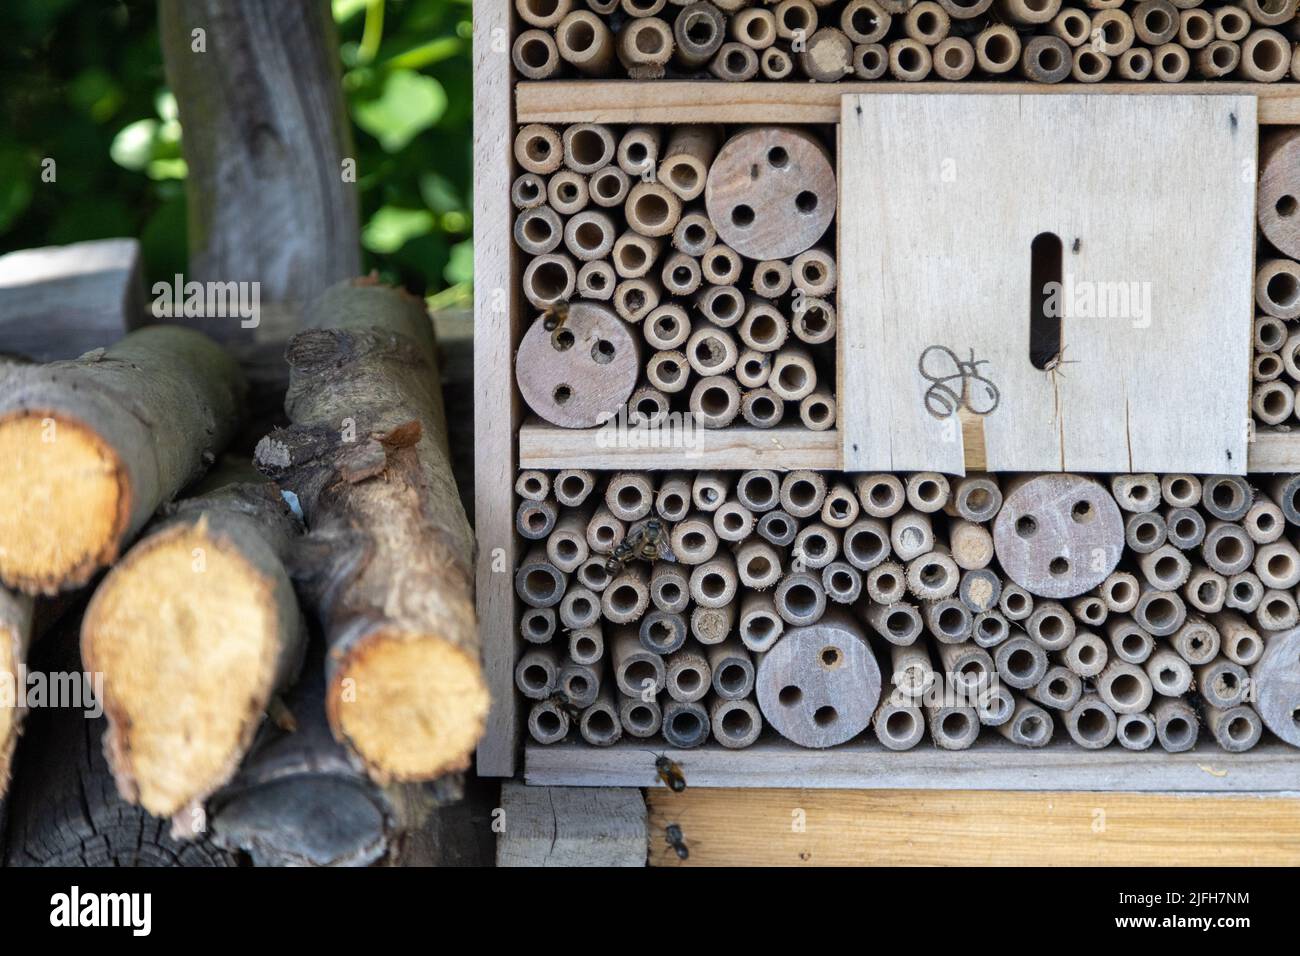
(84,87)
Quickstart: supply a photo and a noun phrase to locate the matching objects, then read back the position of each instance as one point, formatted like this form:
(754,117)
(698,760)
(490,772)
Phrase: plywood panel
(1152,198)
(965,828)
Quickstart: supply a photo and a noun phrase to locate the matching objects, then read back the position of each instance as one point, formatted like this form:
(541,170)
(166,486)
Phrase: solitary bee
(674,838)
(645,541)
(553,318)
(562,701)
(670,772)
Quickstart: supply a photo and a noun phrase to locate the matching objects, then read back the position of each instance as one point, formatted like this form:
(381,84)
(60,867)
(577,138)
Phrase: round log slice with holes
(1058,536)
(1276,677)
(771,192)
(819,685)
(581,373)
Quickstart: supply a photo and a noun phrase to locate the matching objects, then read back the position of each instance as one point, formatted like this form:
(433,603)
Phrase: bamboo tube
(538,149)
(870,61)
(881,495)
(1227,497)
(1240,642)
(954,58)
(528,191)
(866,543)
(635,255)
(608,187)
(1276,612)
(753,368)
(567,193)
(775,64)
(1160,613)
(694,233)
(652,209)
(734,63)
(1206,590)
(802,493)
(644,46)
(587,645)
(1029,725)
(1155,22)
(1277,565)
(1245,592)
(966,9)
(627,596)
(1051,625)
(715,401)
(816,546)
(600,724)
(1195,28)
(604,531)
(933,576)
(1023,13)
(1267,367)
(1073,26)
(980,590)
(1091,723)
(694,541)
(578,683)
(637,153)
(538,672)
(634,299)
(533,485)
(794,374)
(842,582)
(952,728)
(681,274)
(1270,13)
(1165,568)
(1235,729)
(864,21)
(1231,23)
(763,329)
(1020,662)
(543,13)
(1134,64)
(712,625)
(1016,603)
(723,305)
(827,55)
(698,31)
(795,19)
(549,279)
(1046,59)
(927,22)
(669,587)
(1284,490)
(585,42)
(535,55)
(1170,63)
(753,26)
(928,491)
(538,582)
(1169,674)
(721,265)
(976,498)
(760,625)
(1196,641)
(911,534)
(898,623)
(1128,640)
(1114,32)
(535,519)
(687,675)
(596,281)
(573,486)
(1060,689)
(588,147)
(898,726)
(639,673)
(709,490)
(814,320)
(971,545)
(548,723)
(713,582)
(817,411)
(950,621)
(762,408)
(589,235)
(685,725)
(579,608)
(886,583)
(629,495)
(909,60)
(799,599)
(1090,66)
(1090,610)
(1125,688)
(735,723)
(684,168)
(1136,493)
(537,624)
(759,491)
(593,574)
(1087,656)
(997,49)
(813,272)
(1265,56)
(1176,725)
(640,718)
(1135,731)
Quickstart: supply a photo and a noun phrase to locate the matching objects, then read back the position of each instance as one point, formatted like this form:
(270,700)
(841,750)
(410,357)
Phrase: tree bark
(194,630)
(90,448)
(388,555)
(15,638)
(64,809)
(266,134)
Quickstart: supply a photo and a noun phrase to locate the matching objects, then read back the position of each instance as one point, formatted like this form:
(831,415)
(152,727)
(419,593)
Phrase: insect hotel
(888,398)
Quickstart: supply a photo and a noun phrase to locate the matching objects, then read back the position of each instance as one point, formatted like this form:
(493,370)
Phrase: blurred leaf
(391,228)
(439,193)
(460,268)
(16,179)
(409,104)
(133,145)
(95,94)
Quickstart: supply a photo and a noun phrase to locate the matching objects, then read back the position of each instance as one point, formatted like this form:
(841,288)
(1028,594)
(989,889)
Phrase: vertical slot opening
(1045,298)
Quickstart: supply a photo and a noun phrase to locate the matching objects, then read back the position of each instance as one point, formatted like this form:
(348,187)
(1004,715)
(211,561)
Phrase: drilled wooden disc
(1276,679)
(581,374)
(771,192)
(1058,536)
(819,685)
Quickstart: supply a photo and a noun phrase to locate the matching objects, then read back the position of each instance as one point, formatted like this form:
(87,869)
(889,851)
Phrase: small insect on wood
(674,838)
(670,773)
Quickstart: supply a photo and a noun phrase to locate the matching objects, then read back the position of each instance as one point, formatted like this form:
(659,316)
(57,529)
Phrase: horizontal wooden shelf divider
(1274,452)
(698,101)
(989,765)
(785,447)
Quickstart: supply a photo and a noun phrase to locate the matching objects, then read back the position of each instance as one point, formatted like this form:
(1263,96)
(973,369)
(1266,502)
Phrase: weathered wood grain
(1177,242)
(570,826)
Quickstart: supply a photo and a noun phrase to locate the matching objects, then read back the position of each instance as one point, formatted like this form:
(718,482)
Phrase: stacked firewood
(1277,279)
(711,249)
(1046,41)
(203,584)
(707,604)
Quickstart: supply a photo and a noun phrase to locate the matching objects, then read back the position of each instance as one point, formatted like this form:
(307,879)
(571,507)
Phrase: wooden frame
(505,441)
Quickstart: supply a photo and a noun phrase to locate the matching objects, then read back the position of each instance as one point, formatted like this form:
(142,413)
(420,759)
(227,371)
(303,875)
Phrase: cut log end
(67,501)
(188,670)
(411,706)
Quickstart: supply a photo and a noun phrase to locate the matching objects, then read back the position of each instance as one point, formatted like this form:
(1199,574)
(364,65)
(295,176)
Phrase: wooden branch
(298,774)
(59,302)
(387,557)
(90,448)
(266,133)
(64,809)
(15,638)
(194,630)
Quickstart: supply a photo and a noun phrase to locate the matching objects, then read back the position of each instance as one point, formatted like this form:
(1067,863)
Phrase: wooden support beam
(970,828)
(566,826)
